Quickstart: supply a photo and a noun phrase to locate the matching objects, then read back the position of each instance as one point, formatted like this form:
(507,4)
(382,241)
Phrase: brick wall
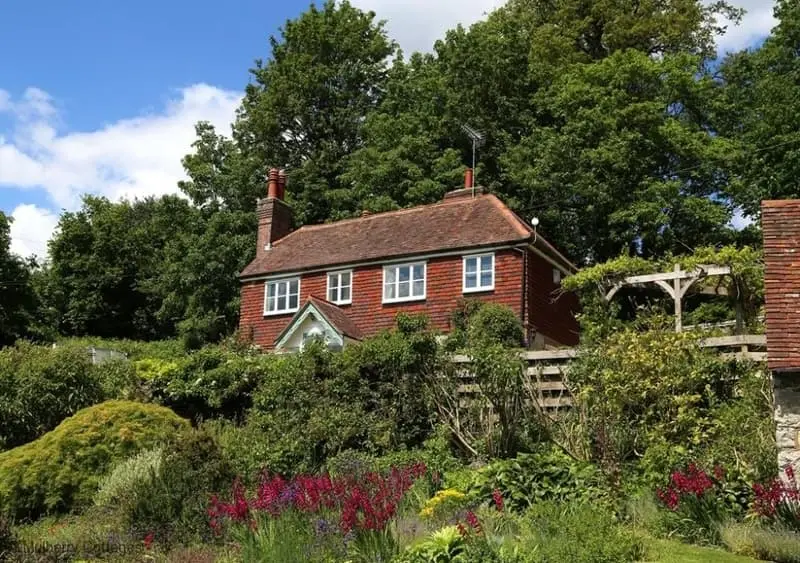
(443,291)
(780,222)
(550,314)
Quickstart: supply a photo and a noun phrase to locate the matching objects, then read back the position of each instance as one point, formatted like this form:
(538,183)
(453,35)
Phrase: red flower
(474,523)
(148,540)
(368,503)
(497,496)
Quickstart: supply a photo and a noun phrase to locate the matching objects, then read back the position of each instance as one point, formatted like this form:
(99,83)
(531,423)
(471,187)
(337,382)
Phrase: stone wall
(787,417)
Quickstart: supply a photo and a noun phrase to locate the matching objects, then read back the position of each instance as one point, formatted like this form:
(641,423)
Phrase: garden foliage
(171,505)
(41,386)
(576,532)
(125,478)
(657,398)
(532,478)
(356,509)
(62,470)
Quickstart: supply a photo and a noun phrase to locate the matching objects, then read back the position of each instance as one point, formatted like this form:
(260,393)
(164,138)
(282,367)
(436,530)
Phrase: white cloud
(129,158)
(31,229)
(756,24)
(417,24)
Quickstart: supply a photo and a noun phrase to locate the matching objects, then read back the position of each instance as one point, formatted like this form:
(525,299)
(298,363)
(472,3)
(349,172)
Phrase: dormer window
(282,296)
(478,273)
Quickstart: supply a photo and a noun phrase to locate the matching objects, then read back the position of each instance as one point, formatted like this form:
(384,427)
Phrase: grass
(668,551)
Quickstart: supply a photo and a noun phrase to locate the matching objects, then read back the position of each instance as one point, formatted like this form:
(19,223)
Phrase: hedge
(61,470)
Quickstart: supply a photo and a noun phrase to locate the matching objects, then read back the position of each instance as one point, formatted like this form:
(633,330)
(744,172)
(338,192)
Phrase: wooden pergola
(676,283)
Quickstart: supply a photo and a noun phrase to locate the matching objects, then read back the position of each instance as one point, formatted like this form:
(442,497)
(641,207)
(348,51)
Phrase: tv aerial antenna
(478,140)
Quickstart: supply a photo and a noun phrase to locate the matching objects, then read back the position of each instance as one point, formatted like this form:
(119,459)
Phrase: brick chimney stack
(780,225)
(274,214)
(780,221)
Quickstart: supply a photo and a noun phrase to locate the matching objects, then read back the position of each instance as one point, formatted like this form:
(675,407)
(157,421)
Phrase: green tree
(105,261)
(592,112)
(304,109)
(761,110)
(410,154)
(18,302)
(198,279)
(628,163)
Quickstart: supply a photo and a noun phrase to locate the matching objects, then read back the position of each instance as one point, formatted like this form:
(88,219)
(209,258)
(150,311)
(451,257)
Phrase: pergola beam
(681,282)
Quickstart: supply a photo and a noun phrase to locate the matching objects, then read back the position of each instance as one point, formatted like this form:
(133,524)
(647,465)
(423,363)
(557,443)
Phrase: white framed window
(404,282)
(478,273)
(340,287)
(282,296)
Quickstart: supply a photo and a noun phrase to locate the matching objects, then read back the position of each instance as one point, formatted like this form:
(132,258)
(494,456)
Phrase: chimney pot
(281,184)
(272,184)
(469,178)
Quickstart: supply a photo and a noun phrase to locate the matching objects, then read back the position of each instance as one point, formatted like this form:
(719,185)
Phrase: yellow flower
(444,496)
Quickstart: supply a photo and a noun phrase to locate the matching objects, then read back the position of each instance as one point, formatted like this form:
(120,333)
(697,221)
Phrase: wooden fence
(546,370)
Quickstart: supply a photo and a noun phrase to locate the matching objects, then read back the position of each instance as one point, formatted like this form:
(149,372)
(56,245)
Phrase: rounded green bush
(61,470)
(493,323)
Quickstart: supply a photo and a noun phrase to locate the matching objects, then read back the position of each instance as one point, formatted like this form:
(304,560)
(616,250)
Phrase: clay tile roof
(337,317)
(453,224)
(780,225)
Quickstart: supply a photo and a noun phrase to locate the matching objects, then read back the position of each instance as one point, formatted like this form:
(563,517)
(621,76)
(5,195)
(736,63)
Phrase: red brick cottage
(347,280)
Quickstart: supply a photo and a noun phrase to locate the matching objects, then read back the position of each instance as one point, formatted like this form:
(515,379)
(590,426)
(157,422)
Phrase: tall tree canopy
(18,302)
(761,111)
(105,263)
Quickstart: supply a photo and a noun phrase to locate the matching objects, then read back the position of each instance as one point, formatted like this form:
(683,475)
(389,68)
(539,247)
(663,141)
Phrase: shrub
(650,395)
(767,544)
(531,478)
(780,546)
(8,540)
(576,532)
(41,386)
(119,380)
(742,433)
(738,538)
(208,383)
(308,408)
(171,504)
(493,323)
(62,469)
(393,367)
(128,476)
(369,397)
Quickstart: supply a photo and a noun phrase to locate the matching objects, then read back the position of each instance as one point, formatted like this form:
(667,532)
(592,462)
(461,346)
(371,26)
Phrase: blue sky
(101,97)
